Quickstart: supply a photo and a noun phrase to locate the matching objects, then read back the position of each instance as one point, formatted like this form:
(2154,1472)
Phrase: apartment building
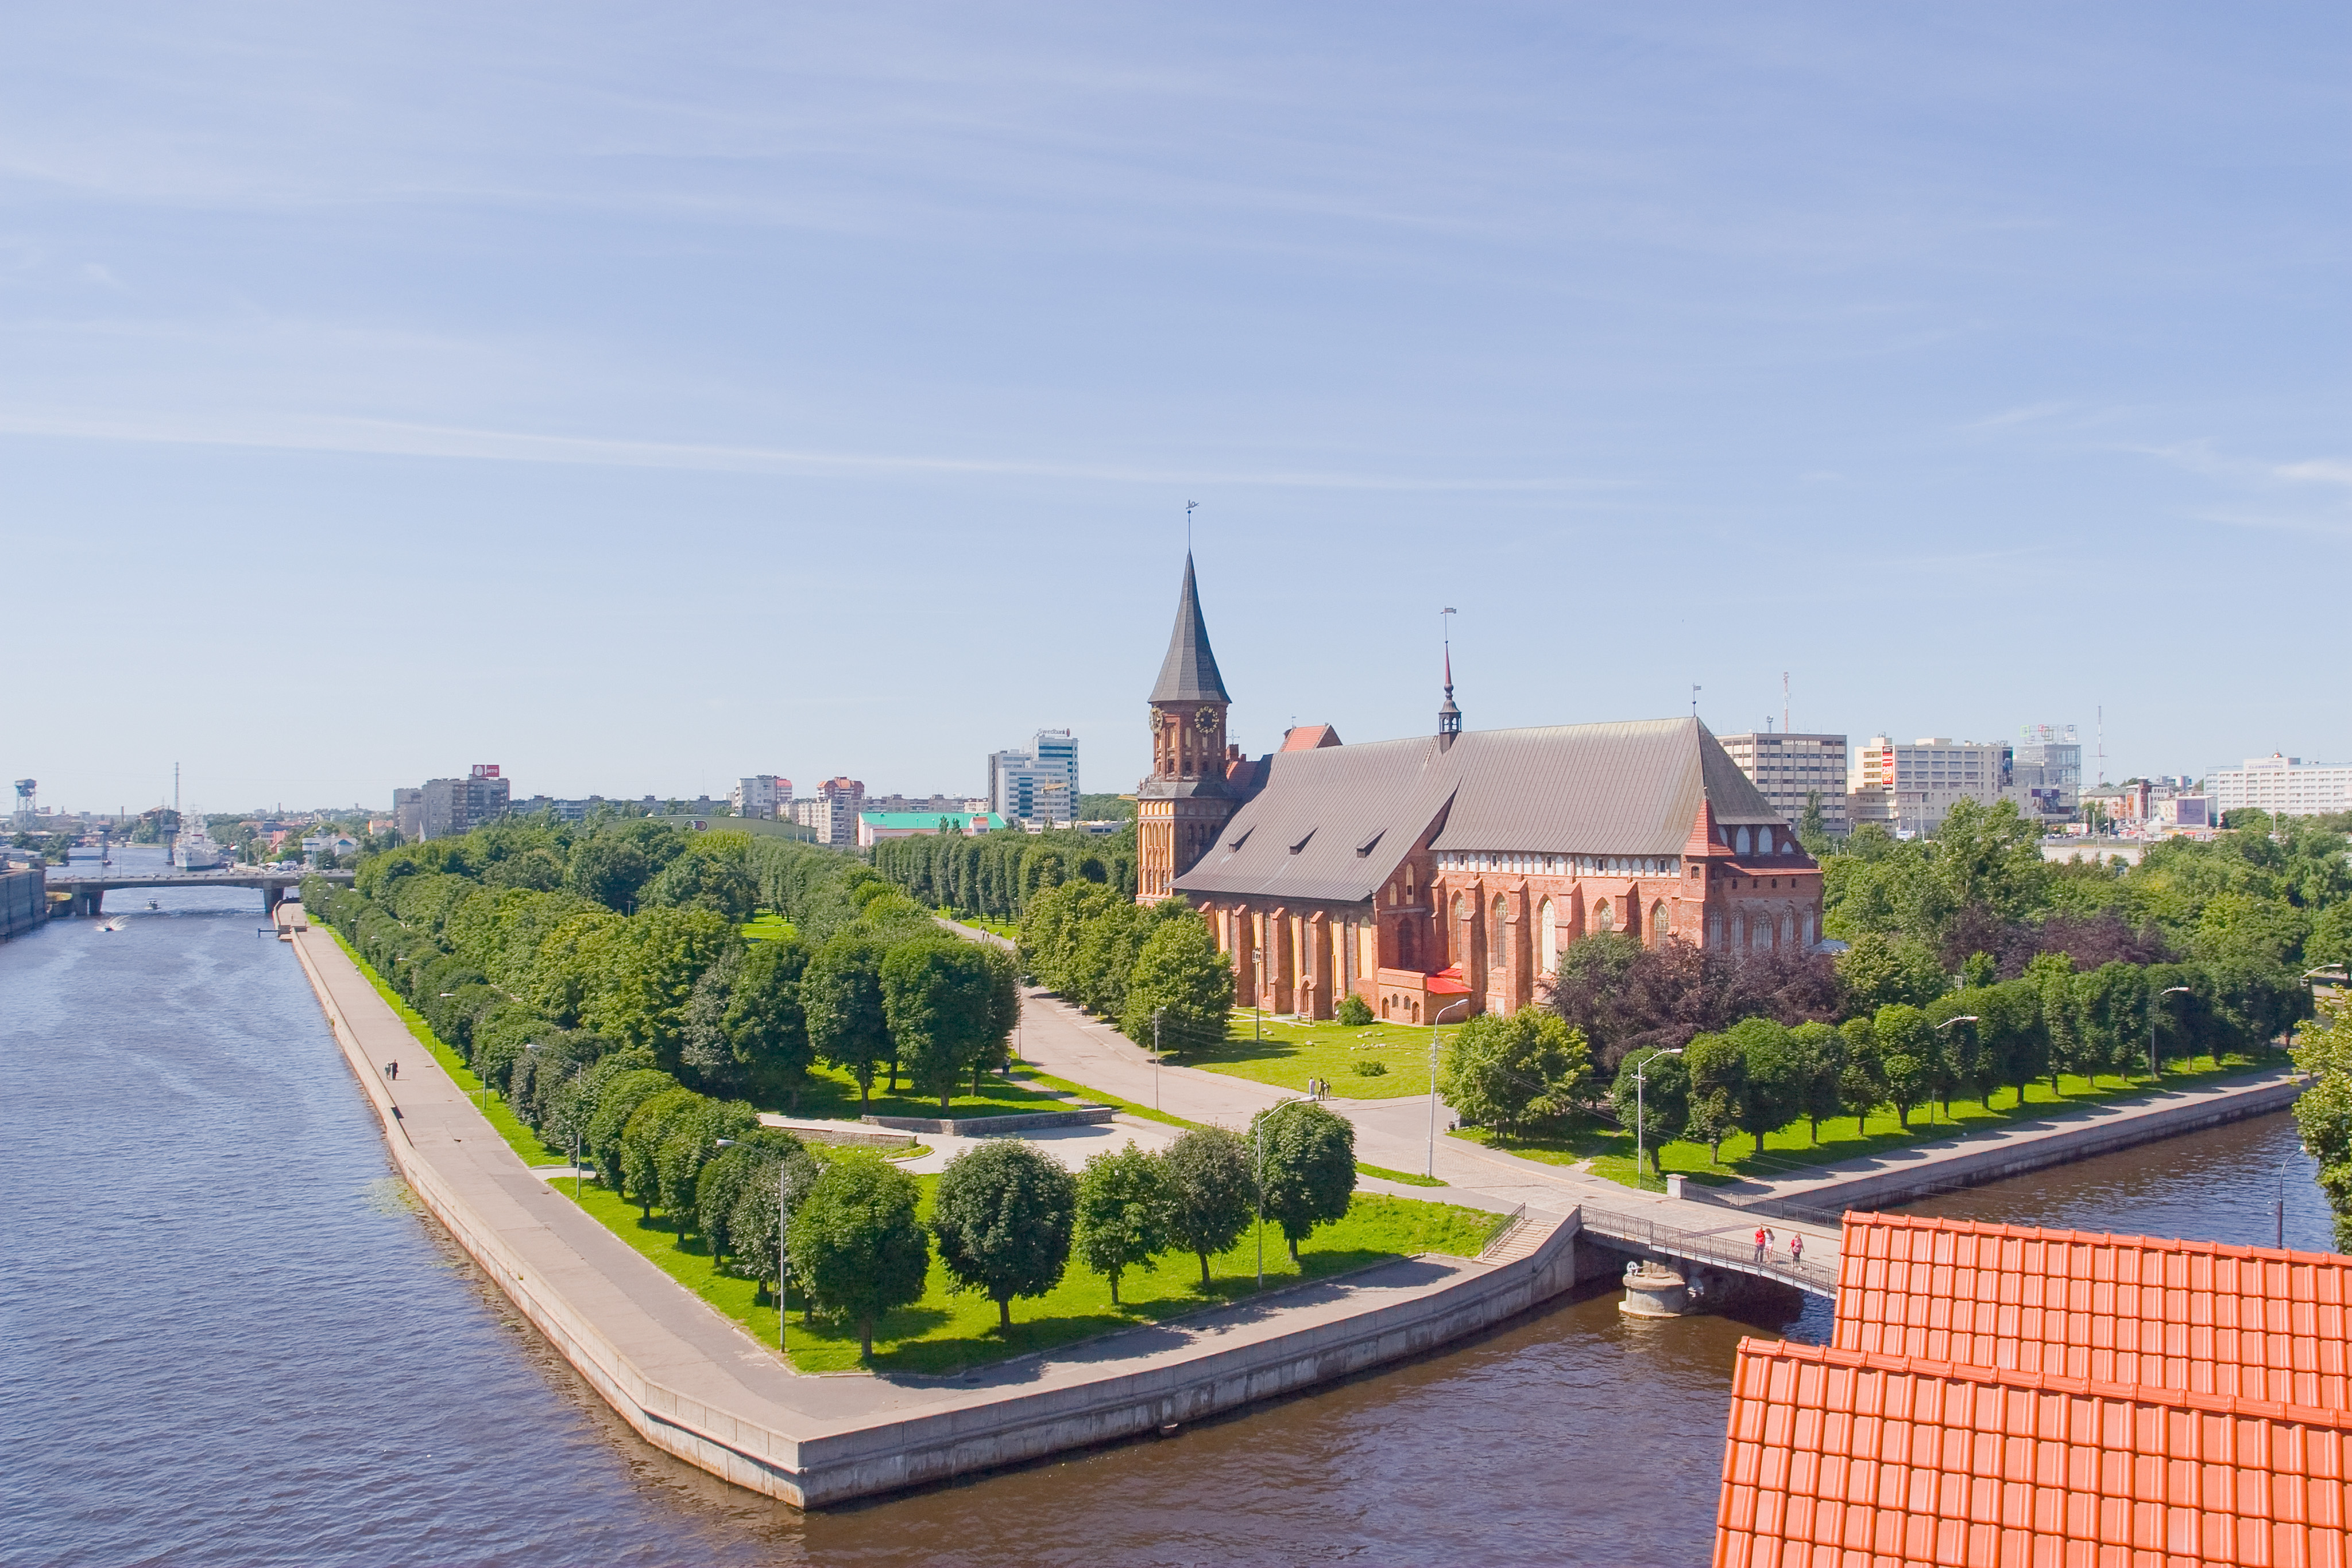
(455,806)
(763,795)
(831,812)
(1909,789)
(2049,773)
(1788,770)
(2281,785)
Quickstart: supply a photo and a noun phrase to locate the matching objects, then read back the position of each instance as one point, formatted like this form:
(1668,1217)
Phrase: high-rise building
(2281,785)
(1039,785)
(831,812)
(2049,773)
(1909,789)
(763,795)
(454,806)
(1789,770)
(408,814)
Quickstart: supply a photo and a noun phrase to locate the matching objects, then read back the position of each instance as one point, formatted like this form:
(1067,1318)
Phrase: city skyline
(635,405)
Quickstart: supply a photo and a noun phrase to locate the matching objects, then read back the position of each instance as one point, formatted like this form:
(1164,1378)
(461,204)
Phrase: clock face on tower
(1205,721)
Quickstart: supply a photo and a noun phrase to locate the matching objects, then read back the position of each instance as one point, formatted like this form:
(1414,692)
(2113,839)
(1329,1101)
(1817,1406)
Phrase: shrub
(1355,1012)
(1371,1067)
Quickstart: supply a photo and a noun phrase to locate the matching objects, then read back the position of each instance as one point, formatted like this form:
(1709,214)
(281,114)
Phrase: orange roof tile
(2186,1316)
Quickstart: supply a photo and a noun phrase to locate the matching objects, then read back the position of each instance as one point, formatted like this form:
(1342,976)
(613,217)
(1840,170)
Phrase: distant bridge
(89,888)
(1816,1276)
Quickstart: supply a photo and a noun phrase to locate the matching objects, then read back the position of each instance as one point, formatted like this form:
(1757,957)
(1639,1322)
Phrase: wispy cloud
(396,438)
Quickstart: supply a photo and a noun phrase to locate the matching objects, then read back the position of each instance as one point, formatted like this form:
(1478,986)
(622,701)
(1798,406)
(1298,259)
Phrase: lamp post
(576,1071)
(1155,1057)
(1434,1021)
(783,1241)
(1641,1068)
(1265,1119)
(2153,1070)
(1958,1017)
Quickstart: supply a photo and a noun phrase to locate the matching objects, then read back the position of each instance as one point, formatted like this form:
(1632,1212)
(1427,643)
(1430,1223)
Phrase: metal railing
(1818,1279)
(1503,1228)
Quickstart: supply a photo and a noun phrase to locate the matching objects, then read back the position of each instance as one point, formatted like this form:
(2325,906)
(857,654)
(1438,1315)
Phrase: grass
(831,1095)
(493,1105)
(1411,1179)
(1008,929)
(949,1331)
(1791,1152)
(767,926)
(1286,1051)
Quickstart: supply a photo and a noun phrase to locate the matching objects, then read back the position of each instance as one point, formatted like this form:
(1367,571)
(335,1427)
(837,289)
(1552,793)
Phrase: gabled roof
(1333,823)
(1189,674)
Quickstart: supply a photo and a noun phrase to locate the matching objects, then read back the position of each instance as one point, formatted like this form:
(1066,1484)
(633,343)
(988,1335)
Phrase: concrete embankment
(692,1383)
(1897,1176)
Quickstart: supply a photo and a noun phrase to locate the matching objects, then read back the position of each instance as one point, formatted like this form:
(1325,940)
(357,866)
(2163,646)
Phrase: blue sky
(641,398)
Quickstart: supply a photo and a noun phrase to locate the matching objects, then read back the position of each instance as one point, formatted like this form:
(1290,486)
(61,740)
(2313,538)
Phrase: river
(226,1338)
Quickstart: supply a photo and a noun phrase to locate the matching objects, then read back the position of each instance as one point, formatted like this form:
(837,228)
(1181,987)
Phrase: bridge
(1724,1251)
(89,888)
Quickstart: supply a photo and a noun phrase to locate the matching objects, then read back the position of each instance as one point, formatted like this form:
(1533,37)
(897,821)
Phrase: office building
(454,806)
(763,795)
(2281,785)
(408,814)
(1908,790)
(1039,785)
(1792,770)
(2049,773)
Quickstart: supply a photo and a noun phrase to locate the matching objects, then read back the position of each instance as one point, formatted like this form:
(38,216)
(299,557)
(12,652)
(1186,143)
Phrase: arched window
(1547,939)
(1742,846)
(1658,922)
(1763,934)
(1807,925)
(1738,933)
(1408,954)
(1763,841)
(1715,930)
(1788,930)
(1603,916)
(1496,941)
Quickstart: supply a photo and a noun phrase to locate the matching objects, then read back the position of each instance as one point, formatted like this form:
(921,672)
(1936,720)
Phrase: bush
(1355,1012)
(1371,1067)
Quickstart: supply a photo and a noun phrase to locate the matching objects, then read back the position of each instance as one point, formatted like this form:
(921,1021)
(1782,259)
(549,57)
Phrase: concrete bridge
(1725,1249)
(89,888)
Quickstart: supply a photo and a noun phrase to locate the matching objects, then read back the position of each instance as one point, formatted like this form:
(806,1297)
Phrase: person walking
(1763,1237)
(1796,1249)
(392,1069)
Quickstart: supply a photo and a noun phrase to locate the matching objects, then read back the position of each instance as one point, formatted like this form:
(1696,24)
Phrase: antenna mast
(1784,702)
(2102,712)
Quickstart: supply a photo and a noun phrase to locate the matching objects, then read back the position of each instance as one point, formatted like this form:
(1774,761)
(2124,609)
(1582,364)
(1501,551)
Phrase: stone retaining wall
(989,1127)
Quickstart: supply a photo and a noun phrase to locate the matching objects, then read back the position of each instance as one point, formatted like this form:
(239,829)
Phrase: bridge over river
(89,888)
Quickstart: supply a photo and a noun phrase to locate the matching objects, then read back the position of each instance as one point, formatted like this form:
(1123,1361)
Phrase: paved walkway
(617,1304)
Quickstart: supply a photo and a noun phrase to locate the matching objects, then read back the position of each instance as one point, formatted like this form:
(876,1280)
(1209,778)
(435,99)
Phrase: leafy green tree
(1909,1060)
(2051,976)
(616,1104)
(713,873)
(1505,1072)
(1771,1078)
(1812,829)
(1718,1072)
(1877,969)
(937,997)
(728,1175)
(691,1142)
(752,1224)
(856,1245)
(2111,1018)
(1212,1190)
(841,999)
(765,1027)
(649,1128)
(1124,1212)
(1988,858)
(1660,1105)
(1180,976)
(1818,1055)
(1862,1080)
(2324,1112)
(1003,1215)
(1353,1011)
(611,870)
(646,972)
(1968,1061)
(1308,1169)
(2016,1042)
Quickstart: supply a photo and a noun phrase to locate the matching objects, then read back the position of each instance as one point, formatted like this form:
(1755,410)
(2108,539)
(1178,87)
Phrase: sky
(638,398)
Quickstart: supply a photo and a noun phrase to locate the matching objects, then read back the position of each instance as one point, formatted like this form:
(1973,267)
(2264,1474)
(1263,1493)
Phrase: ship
(194,848)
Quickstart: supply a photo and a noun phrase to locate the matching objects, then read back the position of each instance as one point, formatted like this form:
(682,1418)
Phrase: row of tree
(2324,1112)
(996,875)
(1154,971)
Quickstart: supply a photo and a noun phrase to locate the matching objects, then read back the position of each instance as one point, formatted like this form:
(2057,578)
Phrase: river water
(226,1338)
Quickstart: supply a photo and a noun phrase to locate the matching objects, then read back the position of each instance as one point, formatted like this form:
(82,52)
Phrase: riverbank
(693,1385)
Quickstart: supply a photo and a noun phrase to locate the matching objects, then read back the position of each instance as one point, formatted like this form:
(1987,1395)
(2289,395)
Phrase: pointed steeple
(1189,674)
(1449,717)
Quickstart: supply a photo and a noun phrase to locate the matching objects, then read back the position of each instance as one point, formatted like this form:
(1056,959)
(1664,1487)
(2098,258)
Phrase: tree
(1862,1080)
(1309,1166)
(1180,976)
(1772,1078)
(753,1221)
(1877,969)
(841,999)
(1818,1054)
(649,1128)
(937,999)
(679,1159)
(2323,1115)
(765,1027)
(1717,1072)
(1123,1214)
(857,1247)
(1653,1092)
(1003,1215)
(727,1176)
(1503,1072)
(642,974)
(1908,1061)
(616,1102)
(1211,1191)
(712,873)
(1967,1053)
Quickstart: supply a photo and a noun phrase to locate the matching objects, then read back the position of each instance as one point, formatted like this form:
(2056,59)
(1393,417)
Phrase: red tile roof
(1310,737)
(1997,1394)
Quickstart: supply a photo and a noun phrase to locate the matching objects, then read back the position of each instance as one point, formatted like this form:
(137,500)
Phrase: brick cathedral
(1445,874)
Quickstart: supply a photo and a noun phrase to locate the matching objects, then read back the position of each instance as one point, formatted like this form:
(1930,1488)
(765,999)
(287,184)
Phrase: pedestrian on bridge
(1795,1247)
(1763,1242)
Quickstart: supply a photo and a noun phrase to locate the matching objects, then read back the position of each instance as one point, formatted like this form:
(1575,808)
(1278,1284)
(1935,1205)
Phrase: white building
(1790,769)
(2281,784)
(1909,789)
(763,795)
(831,812)
(1039,785)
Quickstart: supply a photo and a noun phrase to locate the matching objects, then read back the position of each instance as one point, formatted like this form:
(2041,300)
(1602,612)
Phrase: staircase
(1523,1234)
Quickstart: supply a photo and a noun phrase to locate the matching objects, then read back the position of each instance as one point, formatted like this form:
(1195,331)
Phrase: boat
(194,849)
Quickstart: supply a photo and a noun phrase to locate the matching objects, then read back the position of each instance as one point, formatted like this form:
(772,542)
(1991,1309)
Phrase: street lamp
(1265,1118)
(2168,990)
(784,1240)
(1431,1172)
(1640,1069)
(1960,1018)
(576,1071)
(1155,1056)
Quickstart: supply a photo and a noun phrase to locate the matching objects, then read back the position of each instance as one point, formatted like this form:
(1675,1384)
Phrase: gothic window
(1603,916)
(1495,941)
(1547,937)
(1658,923)
(1738,933)
(1787,931)
(1715,930)
(1763,934)
(1807,928)
(1742,846)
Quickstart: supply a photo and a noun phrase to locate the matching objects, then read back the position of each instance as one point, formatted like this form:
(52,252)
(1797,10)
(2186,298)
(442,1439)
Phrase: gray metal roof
(1334,824)
(1189,674)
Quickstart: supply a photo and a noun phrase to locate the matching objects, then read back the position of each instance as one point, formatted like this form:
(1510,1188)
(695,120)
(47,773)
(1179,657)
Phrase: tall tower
(1179,808)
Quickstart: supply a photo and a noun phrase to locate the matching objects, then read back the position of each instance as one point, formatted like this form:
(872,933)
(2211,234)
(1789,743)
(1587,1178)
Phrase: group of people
(1764,1239)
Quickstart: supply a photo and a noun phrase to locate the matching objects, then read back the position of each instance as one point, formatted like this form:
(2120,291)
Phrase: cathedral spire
(1449,717)
(1189,674)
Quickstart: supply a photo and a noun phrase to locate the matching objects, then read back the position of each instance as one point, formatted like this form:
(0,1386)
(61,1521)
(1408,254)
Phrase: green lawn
(832,1095)
(1008,929)
(1284,1052)
(1047,1081)
(949,1331)
(767,926)
(1792,1150)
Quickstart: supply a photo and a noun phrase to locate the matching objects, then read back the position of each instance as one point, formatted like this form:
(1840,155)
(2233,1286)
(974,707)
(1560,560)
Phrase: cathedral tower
(1179,808)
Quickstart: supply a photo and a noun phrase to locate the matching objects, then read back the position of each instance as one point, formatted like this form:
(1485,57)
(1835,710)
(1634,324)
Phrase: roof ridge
(1959,1227)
